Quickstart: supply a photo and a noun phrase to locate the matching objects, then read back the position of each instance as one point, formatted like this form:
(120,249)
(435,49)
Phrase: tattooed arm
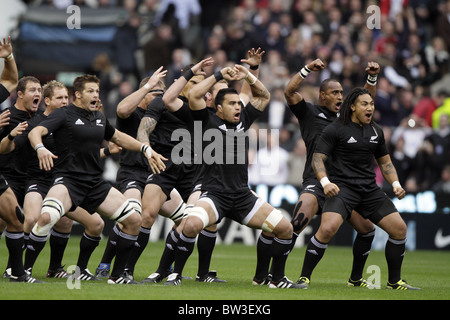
(318,164)
(390,175)
(146,127)
(260,95)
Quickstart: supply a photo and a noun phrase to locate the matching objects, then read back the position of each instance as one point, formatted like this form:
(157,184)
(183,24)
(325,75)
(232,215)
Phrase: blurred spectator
(110,78)
(125,45)
(444,108)
(309,26)
(443,185)
(273,40)
(435,153)
(405,98)
(271,162)
(158,50)
(408,139)
(427,105)
(385,108)
(442,22)
(438,58)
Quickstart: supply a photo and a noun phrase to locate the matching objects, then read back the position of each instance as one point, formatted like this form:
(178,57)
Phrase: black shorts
(17,185)
(239,207)
(3,185)
(131,178)
(39,186)
(180,177)
(371,203)
(313,186)
(88,193)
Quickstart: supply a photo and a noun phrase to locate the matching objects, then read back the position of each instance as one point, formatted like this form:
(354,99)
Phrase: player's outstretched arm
(127,106)
(290,92)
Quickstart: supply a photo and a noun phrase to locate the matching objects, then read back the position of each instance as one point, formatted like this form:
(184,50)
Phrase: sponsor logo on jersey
(352,140)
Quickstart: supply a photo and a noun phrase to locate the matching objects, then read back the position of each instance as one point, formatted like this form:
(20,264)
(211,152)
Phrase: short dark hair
(22,85)
(220,97)
(80,81)
(325,83)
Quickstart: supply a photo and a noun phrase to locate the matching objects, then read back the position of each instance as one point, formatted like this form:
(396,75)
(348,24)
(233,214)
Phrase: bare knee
(95,228)
(148,218)
(192,226)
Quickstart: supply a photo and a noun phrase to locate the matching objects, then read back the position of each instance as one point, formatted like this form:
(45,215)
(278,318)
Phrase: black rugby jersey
(4,93)
(225,150)
(14,164)
(130,126)
(312,120)
(78,136)
(22,142)
(161,138)
(353,148)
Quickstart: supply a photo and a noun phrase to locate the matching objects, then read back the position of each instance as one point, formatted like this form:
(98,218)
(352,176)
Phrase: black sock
(185,246)
(168,256)
(87,246)
(110,249)
(34,248)
(123,248)
(394,252)
(139,247)
(263,256)
(314,252)
(280,250)
(205,245)
(58,242)
(14,243)
(361,250)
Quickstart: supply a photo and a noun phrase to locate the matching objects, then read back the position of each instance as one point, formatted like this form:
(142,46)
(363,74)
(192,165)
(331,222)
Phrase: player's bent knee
(199,213)
(96,228)
(272,220)
(55,210)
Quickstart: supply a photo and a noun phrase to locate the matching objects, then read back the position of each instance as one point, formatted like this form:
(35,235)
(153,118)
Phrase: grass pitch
(236,263)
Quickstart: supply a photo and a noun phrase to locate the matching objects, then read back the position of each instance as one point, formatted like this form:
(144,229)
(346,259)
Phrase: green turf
(236,263)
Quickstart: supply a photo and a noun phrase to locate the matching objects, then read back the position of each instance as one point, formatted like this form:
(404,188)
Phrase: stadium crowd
(411,47)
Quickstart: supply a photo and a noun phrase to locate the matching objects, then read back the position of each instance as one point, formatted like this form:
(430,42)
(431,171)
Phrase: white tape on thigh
(55,209)
(200,213)
(125,210)
(272,220)
(179,212)
(136,204)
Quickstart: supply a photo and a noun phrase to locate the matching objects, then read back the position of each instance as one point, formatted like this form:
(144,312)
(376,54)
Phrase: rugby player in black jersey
(158,126)
(225,191)
(133,172)
(38,182)
(348,180)
(79,130)
(312,120)
(10,212)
